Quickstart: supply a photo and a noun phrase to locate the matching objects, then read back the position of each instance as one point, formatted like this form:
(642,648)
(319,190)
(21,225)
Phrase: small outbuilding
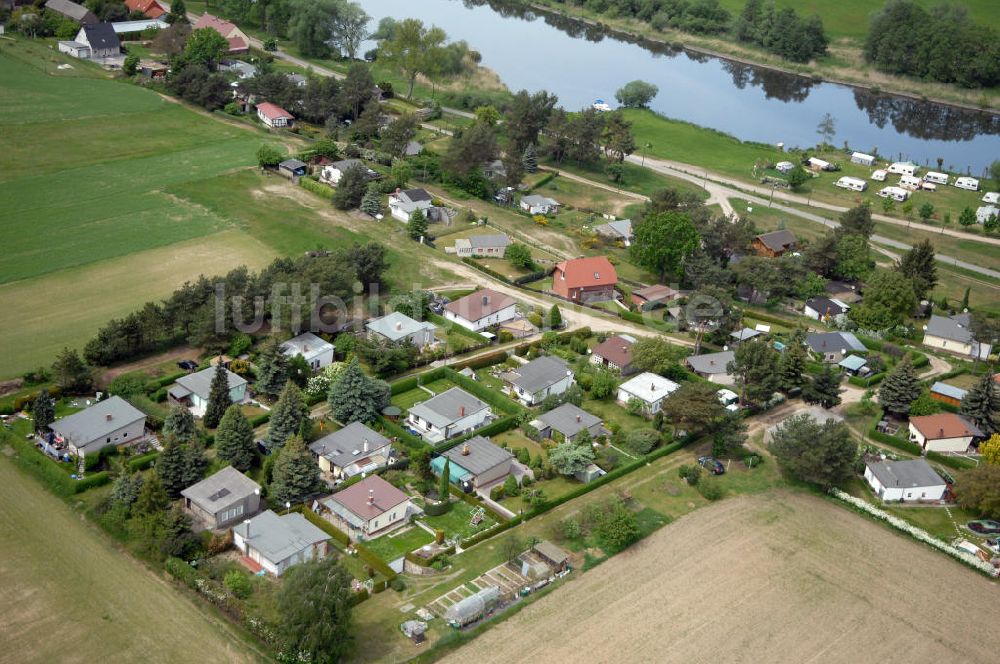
(293,168)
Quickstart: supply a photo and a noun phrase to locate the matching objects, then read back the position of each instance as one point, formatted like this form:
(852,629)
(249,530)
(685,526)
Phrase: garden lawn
(397,543)
(458,521)
(612,412)
(408,399)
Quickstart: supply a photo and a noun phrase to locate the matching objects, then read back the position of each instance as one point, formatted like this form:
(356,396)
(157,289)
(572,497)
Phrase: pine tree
(900,388)
(71,374)
(555,317)
(152,496)
(530,159)
(371,204)
(824,389)
(982,405)
(180,424)
(417,228)
(195,462)
(354,397)
(286,416)
(218,397)
(792,365)
(234,439)
(272,369)
(920,266)
(43,410)
(965,299)
(444,481)
(296,475)
(171,467)
(125,490)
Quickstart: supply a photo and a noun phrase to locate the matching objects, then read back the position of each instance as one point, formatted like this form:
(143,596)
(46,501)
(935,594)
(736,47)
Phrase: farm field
(70,596)
(810,581)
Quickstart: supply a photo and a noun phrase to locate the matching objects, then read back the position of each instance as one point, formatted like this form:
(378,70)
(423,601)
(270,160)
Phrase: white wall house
(402,204)
(531,383)
(482,309)
(452,413)
(193,390)
(113,421)
(648,388)
(944,432)
(317,352)
(278,542)
(954,335)
(904,481)
(535,204)
(274,116)
(369,508)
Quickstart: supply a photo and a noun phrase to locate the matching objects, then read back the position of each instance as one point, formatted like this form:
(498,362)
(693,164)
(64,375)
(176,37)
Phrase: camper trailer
(854,184)
(862,158)
(910,182)
(819,164)
(991,197)
(895,193)
(928,186)
(784,166)
(972,184)
(936,178)
(880,175)
(903,168)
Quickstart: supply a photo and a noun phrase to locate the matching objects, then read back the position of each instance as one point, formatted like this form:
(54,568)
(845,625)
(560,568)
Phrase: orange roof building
(149,8)
(585,279)
(944,432)
(238,41)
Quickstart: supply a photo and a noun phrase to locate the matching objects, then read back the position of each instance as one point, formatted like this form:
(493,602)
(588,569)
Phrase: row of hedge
(958,463)
(19,403)
(874,379)
(497,427)
(49,473)
(427,562)
(403,436)
(316,187)
(492,397)
(143,462)
(893,441)
(323,524)
(451,326)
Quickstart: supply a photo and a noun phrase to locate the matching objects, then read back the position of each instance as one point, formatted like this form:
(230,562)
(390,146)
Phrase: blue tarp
(455,471)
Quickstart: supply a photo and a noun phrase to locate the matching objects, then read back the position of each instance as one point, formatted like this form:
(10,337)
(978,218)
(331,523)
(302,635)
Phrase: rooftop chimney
(371,496)
(941,433)
(399,325)
(109,417)
(486,299)
(365,446)
(578,418)
(652,387)
(465,450)
(461,411)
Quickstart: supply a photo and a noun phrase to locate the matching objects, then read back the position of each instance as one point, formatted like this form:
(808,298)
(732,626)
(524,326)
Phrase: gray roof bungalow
(113,421)
(904,481)
(452,413)
(476,462)
(73,11)
(293,167)
(619,229)
(569,420)
(535,204)
(954,334)
(493,245)
(400,328)
(222,498)
(193,390)
(833,346)
(825,308)
(275,543)
(317,352)
(404,203)
(713,366)
(744,334)
(352,450)
(542,377)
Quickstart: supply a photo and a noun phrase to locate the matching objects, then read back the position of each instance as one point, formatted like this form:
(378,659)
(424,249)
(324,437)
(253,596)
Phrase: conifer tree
(981,404)
(195,462)
(43,410)
(371,204)
(355,397)
(296,475)
(920,266)
(530,159)
(272,369)
(417,228)
(171,467)
(824,389)
(286,416)
(444,481)
(234,439)
(180,424)
(152,497)
(900,388)
(218,397)
(792,365)
(555,317)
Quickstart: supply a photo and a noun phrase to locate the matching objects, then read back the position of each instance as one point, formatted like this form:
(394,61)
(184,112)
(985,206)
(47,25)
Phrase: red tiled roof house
(238,41)
(585,279)
(149,8)
(274,116)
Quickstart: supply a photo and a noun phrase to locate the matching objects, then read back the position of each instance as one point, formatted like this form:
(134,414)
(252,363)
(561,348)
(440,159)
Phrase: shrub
(570,528)
(497,492)
(690,473)
(238,583)
(710,489)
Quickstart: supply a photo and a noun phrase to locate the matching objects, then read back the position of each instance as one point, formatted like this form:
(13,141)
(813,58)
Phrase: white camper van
(910,182)
(936,178)
(991,197)
(895,193)
(972,184)
(854,184)
(903,168)
(880,175)
(784,166)
(928,186)
(819,164)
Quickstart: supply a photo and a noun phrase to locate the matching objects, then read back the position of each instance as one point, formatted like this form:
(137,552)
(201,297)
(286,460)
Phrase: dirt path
(779,577)
(174,354)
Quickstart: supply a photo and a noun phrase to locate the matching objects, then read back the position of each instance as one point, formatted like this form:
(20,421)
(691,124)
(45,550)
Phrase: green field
(70,595)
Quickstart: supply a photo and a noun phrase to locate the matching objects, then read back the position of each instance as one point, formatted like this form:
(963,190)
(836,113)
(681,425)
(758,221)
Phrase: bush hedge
(324,525)
(49,473)
(958,463)
(436,508)
(893,441)
(492,429)
(316,187)
(376,563)
(874,379)
(481,362)
(404,385)
(490,396)
(407,439)
(427,562)
(143,462)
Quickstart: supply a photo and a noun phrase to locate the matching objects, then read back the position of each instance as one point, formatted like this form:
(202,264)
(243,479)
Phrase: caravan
(895,193)
(910,182)
(972,184)
(903,168)
(936,178)
(854,184)
(819,164)
(880,175)
(862,158)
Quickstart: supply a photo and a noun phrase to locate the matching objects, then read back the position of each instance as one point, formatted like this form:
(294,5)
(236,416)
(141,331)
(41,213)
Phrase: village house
(774,244)
(614,353)
(451,413)
(954,334)
(475,464)
(482,309)
(618,230)
(94,41)
(317,352)
(713,367)
(944,432)
(350,451)
(834,346)
(112,422)
(331,173)
(482,246)
(648,389)
(569,420)
(149,8)
(274,116)
(535,204)
(72,11)
(238,41)
(370,508)
(403,203)
(652,297)
(948,394)
(494,170)
(904,481)
(400,328)
(826,309)
(275,543)
(531,383)
(585,279)
(222,498)
(193,390)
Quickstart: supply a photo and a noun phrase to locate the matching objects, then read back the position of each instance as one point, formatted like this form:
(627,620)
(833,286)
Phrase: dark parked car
(985,527)
(712,465)
(187,365)
(264,447)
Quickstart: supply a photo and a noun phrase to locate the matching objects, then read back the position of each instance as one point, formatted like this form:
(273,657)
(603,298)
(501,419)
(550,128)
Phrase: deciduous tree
(694,407)
(823,389)
(569,458)
(979,490)
(662,242)
(920,267)
(818,453)
(889,299)
(636,94)
(314,604)
(755,367)
(412,48)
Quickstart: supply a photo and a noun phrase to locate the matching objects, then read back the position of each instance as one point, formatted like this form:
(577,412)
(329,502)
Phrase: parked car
(985,527)
(187,365)
(712,465)
(264,447)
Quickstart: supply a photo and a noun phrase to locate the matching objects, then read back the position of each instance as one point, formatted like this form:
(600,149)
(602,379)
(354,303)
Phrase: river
(581,64)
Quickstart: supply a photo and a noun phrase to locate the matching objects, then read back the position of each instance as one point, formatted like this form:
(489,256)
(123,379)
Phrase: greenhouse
(472,608)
